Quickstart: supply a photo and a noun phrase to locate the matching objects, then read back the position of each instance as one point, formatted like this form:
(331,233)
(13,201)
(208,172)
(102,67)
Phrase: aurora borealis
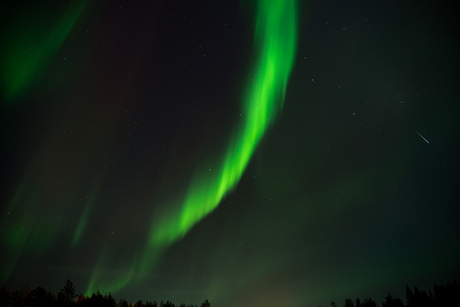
(251,153)
(276,33)
(27,49)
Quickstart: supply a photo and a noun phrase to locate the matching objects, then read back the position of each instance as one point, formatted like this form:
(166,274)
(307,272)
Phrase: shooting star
(422,136)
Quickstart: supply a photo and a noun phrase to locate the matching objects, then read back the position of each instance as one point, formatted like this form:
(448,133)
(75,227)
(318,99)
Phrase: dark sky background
(342,198)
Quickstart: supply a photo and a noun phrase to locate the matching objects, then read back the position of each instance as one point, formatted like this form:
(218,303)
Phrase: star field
(258,153)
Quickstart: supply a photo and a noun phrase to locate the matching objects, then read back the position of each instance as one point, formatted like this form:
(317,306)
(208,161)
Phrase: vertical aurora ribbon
(275,43)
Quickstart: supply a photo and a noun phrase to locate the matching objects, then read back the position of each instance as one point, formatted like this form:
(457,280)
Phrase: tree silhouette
(66,296)
(40,297)
(123,303)
(96,300)
(349,302)
(21,297)
(206,304)
(409,296)
(167,304)
(109,301)
(4,295)
(81,301)
(368,302)
(445,295)
(151,304)
(392,301)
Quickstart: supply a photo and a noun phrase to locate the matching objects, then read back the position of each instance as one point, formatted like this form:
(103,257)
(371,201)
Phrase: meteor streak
(422,137)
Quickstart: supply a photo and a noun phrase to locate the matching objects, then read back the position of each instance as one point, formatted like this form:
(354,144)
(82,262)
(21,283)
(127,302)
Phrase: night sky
(137,158)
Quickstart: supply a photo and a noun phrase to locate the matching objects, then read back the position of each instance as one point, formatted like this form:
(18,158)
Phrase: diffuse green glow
(120,282)
(14,231)
(83,221)
(26,53)
(276,39)
(25,228)
(80,227)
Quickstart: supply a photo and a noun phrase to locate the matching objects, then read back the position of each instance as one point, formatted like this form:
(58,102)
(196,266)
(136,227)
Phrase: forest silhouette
(442,295)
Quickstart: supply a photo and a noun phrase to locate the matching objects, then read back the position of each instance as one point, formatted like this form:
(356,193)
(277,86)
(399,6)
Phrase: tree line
(440,296)
(67,297)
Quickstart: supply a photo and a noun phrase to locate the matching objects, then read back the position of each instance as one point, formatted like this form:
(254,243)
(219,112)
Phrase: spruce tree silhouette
(40,297)
(392,301)
(66,296)
(369,302)
(349,302)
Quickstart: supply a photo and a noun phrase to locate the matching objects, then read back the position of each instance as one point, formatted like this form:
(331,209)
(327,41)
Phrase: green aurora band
(276,43)
(27,51)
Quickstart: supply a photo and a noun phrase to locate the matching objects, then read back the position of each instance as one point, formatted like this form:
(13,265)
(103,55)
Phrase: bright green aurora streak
(276,43)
